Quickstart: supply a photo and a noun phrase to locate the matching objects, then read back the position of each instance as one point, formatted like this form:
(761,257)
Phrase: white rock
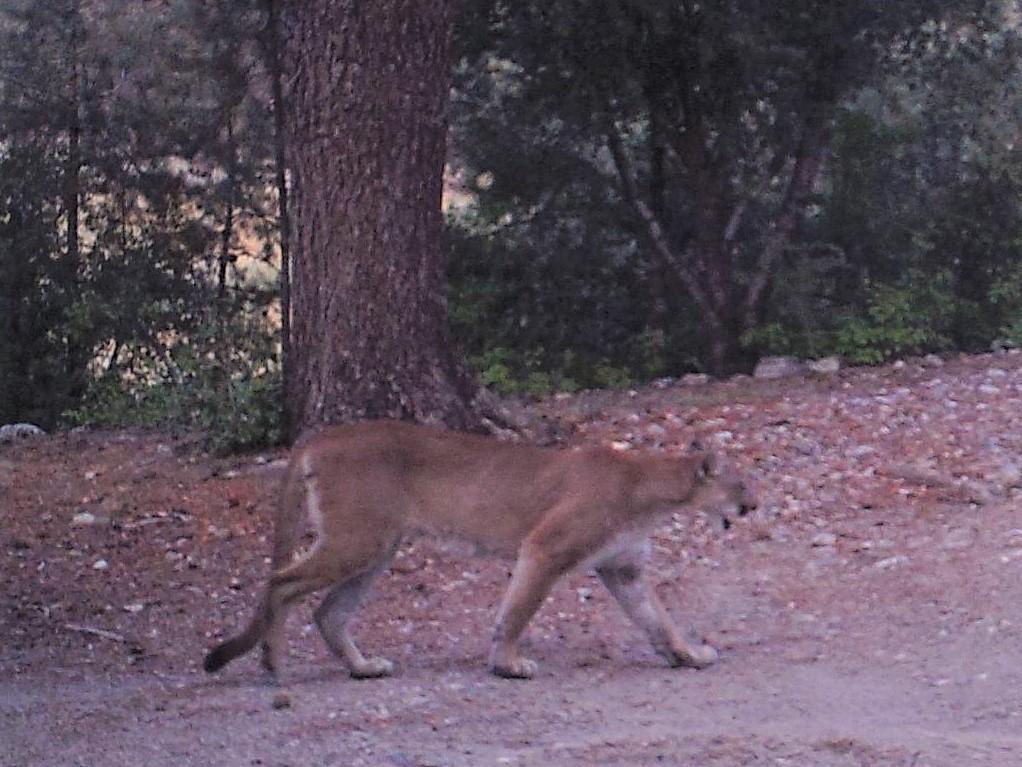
(824,539)
(891,562)
(861,451)
(825,365)
(933,361)
(959,538)
(695,379)
(770,368)
(82,519)
(100,564)
(12,431)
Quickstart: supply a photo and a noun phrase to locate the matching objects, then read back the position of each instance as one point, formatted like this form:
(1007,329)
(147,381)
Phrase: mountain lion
(364,487)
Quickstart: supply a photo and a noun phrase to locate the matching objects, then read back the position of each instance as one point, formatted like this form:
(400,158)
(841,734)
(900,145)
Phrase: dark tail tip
(215,660)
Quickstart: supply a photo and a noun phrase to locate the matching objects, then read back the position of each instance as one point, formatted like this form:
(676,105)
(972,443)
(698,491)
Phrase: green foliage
(237,403)
(109,403)
(536,314)
(1006,295)
(509,372)
(246,415)
(909,241)
(699,118)
(144,126)
(899,320)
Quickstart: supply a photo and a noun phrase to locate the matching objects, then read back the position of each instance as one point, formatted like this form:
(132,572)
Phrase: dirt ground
(871,613)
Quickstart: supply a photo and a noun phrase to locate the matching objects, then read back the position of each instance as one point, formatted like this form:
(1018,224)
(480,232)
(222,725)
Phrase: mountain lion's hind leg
(332,618)
(285,589)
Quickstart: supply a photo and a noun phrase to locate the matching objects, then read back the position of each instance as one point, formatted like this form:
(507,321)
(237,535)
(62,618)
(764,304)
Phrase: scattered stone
(973,492)
(891,562)
(770,368)
(695,379)
(620,445)
(1002,345)
(100,564)
(1011,556)
(281,700)
(827,366)
(959,538)
(932,361)
(898,365)
(824,539)
(112,636)
(805,446)
(134,607)
(12,431)
(83,519)
(988,389)
(663,383)
(861,451)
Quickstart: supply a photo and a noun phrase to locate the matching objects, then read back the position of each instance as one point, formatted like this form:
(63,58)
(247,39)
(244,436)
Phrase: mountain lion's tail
(287,533)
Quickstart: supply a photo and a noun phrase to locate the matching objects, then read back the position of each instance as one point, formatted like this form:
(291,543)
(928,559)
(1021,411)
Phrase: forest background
(637,191)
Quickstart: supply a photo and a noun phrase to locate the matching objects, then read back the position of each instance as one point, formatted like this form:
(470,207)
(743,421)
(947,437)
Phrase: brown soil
(872,615)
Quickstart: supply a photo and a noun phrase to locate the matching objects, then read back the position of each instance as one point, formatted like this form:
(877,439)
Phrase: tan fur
(364,487)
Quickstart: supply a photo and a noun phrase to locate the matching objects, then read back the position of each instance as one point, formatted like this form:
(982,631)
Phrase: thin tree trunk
(809,158)
(656,276)
(366,149)
(76,358)
(273,46)
(227,233)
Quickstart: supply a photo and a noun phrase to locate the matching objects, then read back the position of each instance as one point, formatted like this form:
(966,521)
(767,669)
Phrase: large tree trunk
(366,149)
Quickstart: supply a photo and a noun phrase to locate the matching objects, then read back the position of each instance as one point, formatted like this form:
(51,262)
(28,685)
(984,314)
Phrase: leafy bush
(243,413)
(905,319)
(223,379)
(248,417)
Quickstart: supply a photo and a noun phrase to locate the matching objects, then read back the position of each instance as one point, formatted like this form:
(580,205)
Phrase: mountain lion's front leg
(530,583)
(623,577)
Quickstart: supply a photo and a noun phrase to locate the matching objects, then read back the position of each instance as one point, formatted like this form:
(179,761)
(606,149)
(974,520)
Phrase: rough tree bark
(366,148)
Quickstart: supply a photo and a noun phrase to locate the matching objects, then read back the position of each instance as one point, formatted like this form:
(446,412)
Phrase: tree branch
(653,230)
(808,162)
